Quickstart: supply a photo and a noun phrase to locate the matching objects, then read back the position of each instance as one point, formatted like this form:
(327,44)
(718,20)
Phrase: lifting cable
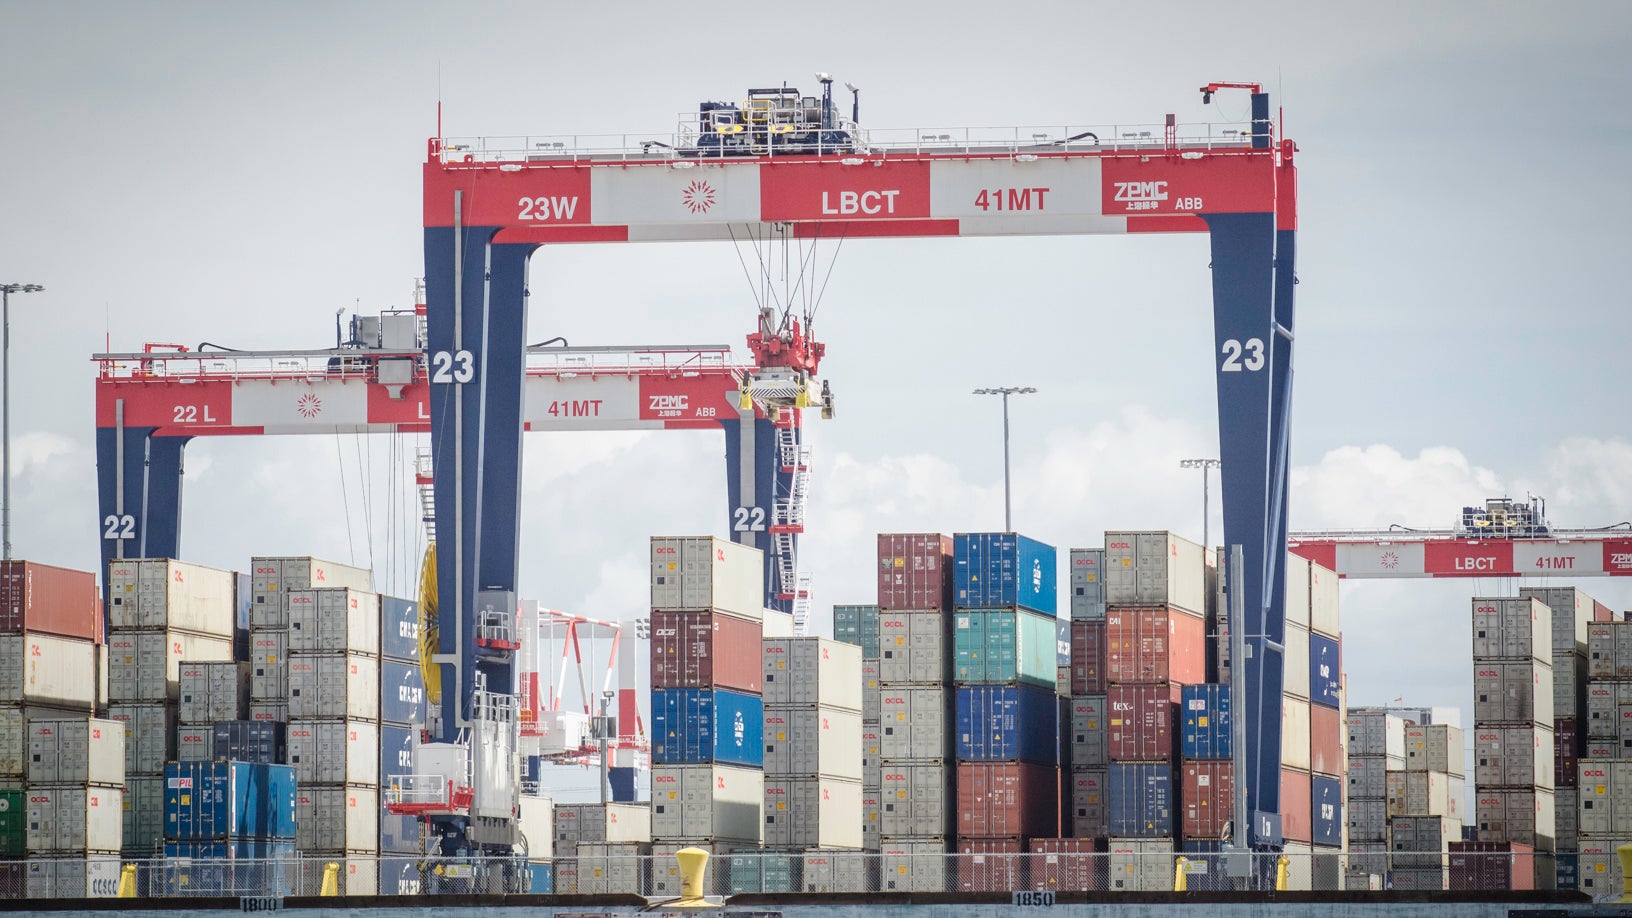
(345,500)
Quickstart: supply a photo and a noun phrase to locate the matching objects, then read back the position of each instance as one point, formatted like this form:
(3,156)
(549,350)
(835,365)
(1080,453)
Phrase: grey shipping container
(84,750)
(614,823)
(158,593)
(1368,819)
(1511,629)
(916,800)
(1513,756)
(812,670)
(809,741)
(195,744)
(912,865)
(1517,815)
(697,573)
(1088,731)
(913,648)
(1421,842)
(1368,774)
(869,688)
(150,734)
(1090,803)
(914,724)
(271,579)
(69,820)
(334,752)
(334,620)
(334,685)
(146,665)
(608,869)
(337,818)
(46,669)
(1140,864)
(1087,584)
(831,871)
(94,876)
(212,691)
(269,666)
(1571,614)
(1375,732)
(698,802)
(1155,568)
(812,813)
(143,806)
(1512,692)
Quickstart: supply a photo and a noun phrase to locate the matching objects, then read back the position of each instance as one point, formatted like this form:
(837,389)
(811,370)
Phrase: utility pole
(1006,391)
(6,290)
(1205,465)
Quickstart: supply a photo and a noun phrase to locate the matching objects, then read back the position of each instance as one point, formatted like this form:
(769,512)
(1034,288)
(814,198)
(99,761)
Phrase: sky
(237,173)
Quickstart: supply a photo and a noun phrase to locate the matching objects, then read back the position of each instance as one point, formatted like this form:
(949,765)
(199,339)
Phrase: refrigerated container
(1323,608)
(1139,721)
(693,573)
(84,750)
(1511,629)
(1139,864)
(915,800)
(698,726)
(159,594)
(1426,793)
(1088,744)
(1204,717)
(1368,774)
(1566,819)
(809,741)
(1569,685)
(146,665)
(213,691)
(913,865)
(835,871)
(664,877)
(995,570)
(68,820)
(812,813)
(334,621)
(337,818)
(1154,569)
(706,649)
(334,751)
(1090,814)
(1003,646)
(1375,732)
(1571,611)
(1295,679)
(1524,815)
(271,580)
(998,723)
(94,876)
(1087,584)
(1367,820)
(858,625)
(871,753)
(1296,571)
(1152,644)
(1604,705)
(615,823)
(1421,842)
(1088,657)
(1207,793)
(914,723)
(869,688)
(913,647)
(268,667)
(1513,756)
(696,802)
(150,734)
(1598,865)
(1435,747)
(332,685)
(812,671)
(1140,799)
(44,599)
(999,799)
(1609,650)
(47,670)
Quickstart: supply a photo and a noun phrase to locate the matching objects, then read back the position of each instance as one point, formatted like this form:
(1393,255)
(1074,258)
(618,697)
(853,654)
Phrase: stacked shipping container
(1573,611)
(1604,815)
(1376,750)
(1426,806)
(403,712)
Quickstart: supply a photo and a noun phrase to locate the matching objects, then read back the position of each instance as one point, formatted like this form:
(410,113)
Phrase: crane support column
(138,477)
(751,489)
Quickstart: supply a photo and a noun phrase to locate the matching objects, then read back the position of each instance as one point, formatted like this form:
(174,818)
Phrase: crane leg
(753,473)
(138,477)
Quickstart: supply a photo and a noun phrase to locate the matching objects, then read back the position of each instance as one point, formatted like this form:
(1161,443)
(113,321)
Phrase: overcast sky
(237,172)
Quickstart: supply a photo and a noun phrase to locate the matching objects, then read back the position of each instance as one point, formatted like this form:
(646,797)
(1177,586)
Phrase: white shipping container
(334,752)
(75,820)
(159,594)
(1153,569)
(806,741)
(150,731)
(45,669)
(1603,709)
(1569,685)
(212,691)
(614,823)
(869,688)
(146,665)
(1372,731)
(1513,757)
(269,666)
(1604,789)
(812,813)
(358,876)
(1323,613)
(1295,732)
(913,725)
(702,572)
(94,876)
(271,579)
(812,671)
(1295,676)
(912,865)
(912,648)
(143,806)
(1140,864)
(835,871)
(1088,747)
(1609,650)
(1367,774)
(1297,592)
(695,802)
(337,818)
(1300,859)
(1512,692)
(1571,614)
(1422,842)
(917,800)
(776,624)
(1511,629)
(604,870)
(334,685)
(334,620)
(1598,869)
(1367,820)
(1510,814)
(537,825)
(1435,747)
(85,750)
(195,744)
(1426,793)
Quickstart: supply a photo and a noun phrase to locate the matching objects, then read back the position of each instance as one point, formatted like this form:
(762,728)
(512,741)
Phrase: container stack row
(1376,752)
(1426,806)
(1604,816)
(857,625)
(1573,611)
(599,848)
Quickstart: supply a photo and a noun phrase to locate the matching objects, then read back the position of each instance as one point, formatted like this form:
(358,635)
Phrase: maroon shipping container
(1004,799)
(1297,816)
(1565,758)
(1325,740)
(1087,658)
(53,600)
(706,650)
(1150,644)
(1139,722)
(1208,798)
(914,571)
(990,864)
(1067,864)
(1482,865)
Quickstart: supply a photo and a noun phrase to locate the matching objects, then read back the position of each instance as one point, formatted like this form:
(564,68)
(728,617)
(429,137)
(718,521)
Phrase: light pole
(1204,465)
(1006,391)
(6,290)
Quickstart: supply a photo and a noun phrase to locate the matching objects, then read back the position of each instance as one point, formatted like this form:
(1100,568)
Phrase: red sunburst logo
(1390,560)
(698,196)
(309,405)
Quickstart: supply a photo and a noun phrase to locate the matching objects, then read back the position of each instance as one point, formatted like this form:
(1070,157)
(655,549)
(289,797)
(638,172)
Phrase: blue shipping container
(1325,670)
(399,628)
(1005,723)
(692,726)
(247,867)
(1210,875)
(1205,710)
(994,570)
(1139,799)
(208,801)
(1062,642)
(541,879)
(402,693)
(398,834)
(1566,871)
(249,741)
(400,876)
(1326,809)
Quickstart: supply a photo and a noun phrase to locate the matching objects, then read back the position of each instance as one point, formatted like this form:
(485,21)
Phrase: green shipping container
(857,625)
(1002,646)
(13,823)
(764,872)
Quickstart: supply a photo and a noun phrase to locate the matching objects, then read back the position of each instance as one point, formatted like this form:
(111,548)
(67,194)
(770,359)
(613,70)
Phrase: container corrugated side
(914,572)
(1087,584)
(808,741)
(399,628)
(994,570)
(701,572)
(997,723)
(812,671)
(44,599)
(48,670)
(812,813)
(703,802)
(334,751)
(334,621)
(337,818)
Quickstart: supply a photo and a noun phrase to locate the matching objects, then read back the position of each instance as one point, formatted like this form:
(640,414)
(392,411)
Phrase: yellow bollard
(1181,880)
(1625,852)
(693,862)
(127,881)
(1280,872)
(331,880)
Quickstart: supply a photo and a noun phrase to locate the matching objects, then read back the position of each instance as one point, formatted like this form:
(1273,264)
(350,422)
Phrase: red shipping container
(1139,722)
(914,571)
(1297,817)
(1067,864)
(1480,865)
(990,864)
(1325,740)
(1151,644)
(1565,757)
(706,650)
(53,600)
(1087,658)
(1601,612)
(1208,799)
(1004,799)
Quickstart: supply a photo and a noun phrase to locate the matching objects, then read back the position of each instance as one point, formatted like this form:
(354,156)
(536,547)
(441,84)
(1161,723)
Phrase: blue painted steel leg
(751,492)
(1254,390)
(148,525)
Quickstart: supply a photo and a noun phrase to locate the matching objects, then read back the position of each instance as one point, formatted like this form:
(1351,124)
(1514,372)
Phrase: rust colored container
(706,650)
(915,571)
(53,600)
(1325,740)
(1139,722)
(1087,658)
(1207,796)
(1150,644)
(1067,864)
(990,864)
(1601,612)
(1007,799)
(1565,757)
(1297,819)
(1481,865)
